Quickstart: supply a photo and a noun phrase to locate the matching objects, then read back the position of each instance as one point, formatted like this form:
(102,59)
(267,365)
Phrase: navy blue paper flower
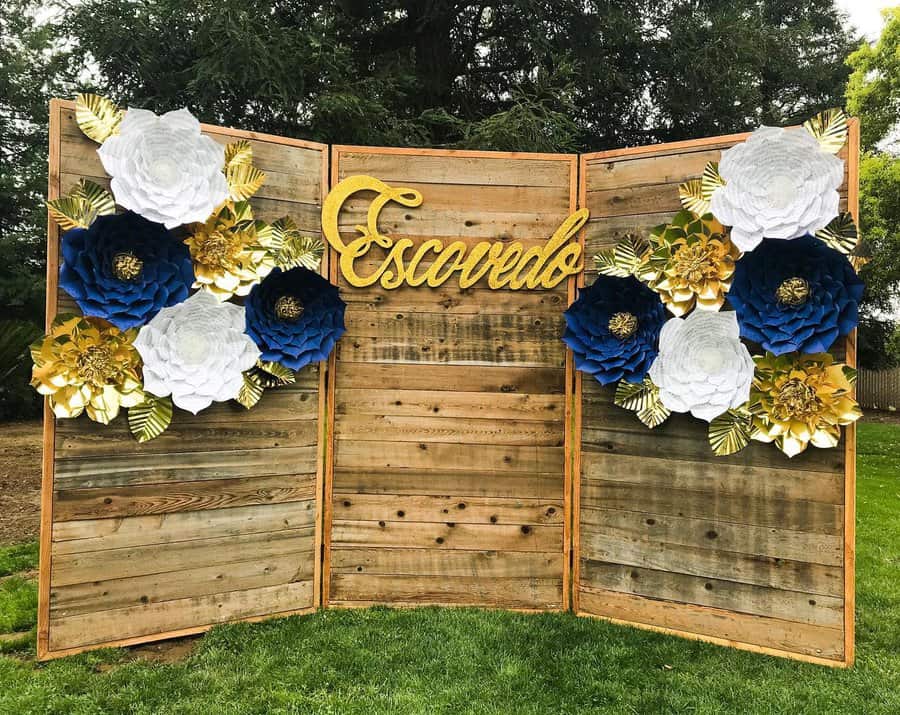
(125,269)
(295,317)
(798,295)
(613,329)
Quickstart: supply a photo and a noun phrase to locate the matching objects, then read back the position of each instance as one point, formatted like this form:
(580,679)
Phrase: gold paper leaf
(840,233)
(730,432)
(605,262)
(711,180)
(151,418)
(830,128)
(850,373)
(244,180)
(691,194)
(83,204)
(251,391)
(303,251)
(282,375)
(98,117)
(643,399)
(238,153)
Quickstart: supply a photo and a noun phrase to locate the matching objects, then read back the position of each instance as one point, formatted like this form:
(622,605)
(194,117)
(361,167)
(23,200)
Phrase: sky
(866,15)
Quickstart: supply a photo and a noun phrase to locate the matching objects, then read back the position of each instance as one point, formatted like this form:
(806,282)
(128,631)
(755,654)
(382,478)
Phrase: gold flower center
(793,292)
(126,266)
(288,308)
(95,364)
(216,248)
(623,325)
(796,400)
(695,263)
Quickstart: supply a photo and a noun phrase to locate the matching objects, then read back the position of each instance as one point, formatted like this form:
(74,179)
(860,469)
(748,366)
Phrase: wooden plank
(468,590)
(715,477)
(105,502)
(707,532)
(724,625)
(158,618)
(714,563)
(463,484)
(428,403)
(415,326)
(156,588)
(449,535)
(450,564)
(453,430)
(386,507)
(453,300)
(507,379)
(447,457)
(125,470)
(105,564)
(72,537)
(795,606)
(794,515)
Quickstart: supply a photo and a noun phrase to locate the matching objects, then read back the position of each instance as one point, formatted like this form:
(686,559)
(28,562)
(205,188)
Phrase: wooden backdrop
(449,482)
(216,520)
(753,550)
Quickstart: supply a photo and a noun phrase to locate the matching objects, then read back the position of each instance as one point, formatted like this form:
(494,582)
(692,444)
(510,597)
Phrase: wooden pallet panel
(216,520)
(449,483)
(753,550)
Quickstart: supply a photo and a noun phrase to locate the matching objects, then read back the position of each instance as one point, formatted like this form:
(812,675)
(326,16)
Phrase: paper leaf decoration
(643,399)
(293,249)
(244,180)
(730,432)
(250,393)
(97,117)
(238,153)
(274,374)
(151,418)
(830,128)
(711,180)
(83,204)
(627,258)
(841,233)
(691,195)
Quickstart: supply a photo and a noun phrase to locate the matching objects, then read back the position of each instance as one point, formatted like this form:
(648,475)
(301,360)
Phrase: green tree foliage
(873,94)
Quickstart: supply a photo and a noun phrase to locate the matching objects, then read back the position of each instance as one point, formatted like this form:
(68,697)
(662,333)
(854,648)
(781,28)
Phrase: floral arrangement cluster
(187,299)
(760,233)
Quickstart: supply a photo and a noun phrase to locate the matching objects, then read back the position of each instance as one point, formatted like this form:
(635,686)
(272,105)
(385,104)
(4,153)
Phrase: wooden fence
(879,389)
(465,462)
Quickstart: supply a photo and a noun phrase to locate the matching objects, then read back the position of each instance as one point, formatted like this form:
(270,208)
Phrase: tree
(873,94)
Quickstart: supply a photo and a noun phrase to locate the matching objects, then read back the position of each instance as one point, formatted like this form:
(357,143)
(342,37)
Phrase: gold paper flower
(691,262)
(801,399)
(87,364)
(231,251)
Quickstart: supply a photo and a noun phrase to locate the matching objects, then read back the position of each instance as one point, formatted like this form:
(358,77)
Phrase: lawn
(472,661)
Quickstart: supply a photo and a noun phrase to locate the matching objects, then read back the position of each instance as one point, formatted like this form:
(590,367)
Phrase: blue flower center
(127,266)
(623,325)
(288,308)
(793,292)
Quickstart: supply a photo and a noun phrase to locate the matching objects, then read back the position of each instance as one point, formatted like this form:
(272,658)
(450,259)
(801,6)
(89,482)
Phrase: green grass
(471,661)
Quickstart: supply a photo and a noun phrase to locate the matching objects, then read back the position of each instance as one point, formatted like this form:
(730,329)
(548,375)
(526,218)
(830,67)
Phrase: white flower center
(780,191)
(163,170)
(192,347)
(711,359)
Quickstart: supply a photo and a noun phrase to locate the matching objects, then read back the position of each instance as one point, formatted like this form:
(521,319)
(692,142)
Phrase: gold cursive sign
(504,264)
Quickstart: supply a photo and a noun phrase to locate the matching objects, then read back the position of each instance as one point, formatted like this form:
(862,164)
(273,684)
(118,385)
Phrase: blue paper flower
(613,328)
(125,269)
(295,317)
(798,295)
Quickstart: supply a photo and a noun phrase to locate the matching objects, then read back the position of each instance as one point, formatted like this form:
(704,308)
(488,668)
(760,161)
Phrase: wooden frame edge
(169,635)
(725,642)
(449,153)
(48,462)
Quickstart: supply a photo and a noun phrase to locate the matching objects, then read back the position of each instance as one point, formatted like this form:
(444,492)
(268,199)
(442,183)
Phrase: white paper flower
(163,168)
(196,351)
(702,367)
(779,184)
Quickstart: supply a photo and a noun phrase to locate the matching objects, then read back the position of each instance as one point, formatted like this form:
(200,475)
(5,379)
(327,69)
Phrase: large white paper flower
(196,351)
(163,168)
(702,367)
(779,184)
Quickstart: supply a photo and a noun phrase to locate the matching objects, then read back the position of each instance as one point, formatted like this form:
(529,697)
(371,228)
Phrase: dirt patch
(20,481)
